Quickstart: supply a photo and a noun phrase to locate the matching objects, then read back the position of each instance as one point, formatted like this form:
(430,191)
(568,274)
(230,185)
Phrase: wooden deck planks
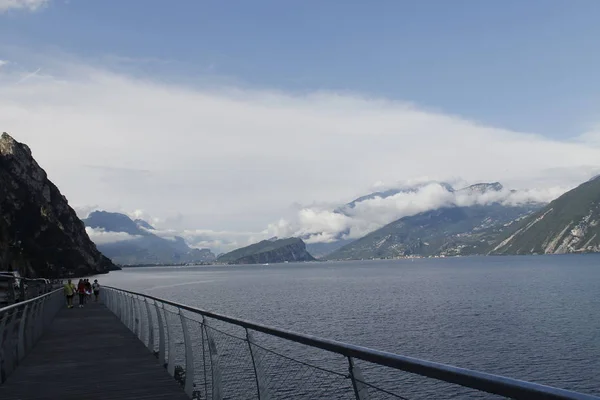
(87,353)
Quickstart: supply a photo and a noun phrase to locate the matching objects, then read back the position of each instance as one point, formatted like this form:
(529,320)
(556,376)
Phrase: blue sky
(230,122)
(524,65)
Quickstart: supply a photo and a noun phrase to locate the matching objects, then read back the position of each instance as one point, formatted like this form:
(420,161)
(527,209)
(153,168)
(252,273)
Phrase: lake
(534,318)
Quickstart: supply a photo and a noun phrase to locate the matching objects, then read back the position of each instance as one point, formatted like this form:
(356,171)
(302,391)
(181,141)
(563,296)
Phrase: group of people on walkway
(84,289)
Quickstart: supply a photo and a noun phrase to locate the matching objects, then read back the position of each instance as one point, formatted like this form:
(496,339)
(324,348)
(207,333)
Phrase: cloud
(317,224)
(3,63)
(27,5)
(232,159)
(100,236)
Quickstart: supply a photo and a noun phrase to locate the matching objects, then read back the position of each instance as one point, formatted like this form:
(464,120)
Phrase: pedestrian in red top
(81,291)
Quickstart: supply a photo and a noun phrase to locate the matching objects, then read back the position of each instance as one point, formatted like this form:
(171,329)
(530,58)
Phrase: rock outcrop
(40,234)
(569,224)
(267,251)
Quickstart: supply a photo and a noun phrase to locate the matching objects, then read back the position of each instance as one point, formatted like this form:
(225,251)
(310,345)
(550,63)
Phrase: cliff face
(569,224)
(267,251)
(40,234)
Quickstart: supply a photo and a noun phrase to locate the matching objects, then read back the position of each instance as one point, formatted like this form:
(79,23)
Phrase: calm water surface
(532,318)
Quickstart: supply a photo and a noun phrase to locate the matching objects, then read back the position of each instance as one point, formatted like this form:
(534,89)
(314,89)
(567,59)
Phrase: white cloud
(100,236)
(29,5)
(232,160)
(3,63)
(326,225)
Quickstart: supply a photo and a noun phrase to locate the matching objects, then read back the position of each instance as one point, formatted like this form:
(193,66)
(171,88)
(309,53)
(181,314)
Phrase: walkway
(88,353)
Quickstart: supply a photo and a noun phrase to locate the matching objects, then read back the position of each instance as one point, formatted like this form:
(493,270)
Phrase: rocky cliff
(569,224)
(40,234)
(448,231)
(267,251)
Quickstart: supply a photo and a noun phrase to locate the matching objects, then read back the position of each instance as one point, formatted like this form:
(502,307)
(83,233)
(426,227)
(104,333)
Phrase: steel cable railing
(21,326)
(214,356)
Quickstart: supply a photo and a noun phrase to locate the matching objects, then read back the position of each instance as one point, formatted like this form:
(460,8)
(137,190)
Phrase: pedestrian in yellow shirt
(69,289)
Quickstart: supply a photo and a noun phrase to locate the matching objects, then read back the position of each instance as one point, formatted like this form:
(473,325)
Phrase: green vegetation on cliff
(569,224)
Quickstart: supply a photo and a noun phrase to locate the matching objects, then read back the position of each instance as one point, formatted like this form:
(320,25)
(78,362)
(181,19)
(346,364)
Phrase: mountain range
(568,224)
(143,246)
(449,229)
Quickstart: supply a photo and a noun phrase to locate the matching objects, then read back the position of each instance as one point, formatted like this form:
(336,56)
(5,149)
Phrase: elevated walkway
(87,353)
(136,346)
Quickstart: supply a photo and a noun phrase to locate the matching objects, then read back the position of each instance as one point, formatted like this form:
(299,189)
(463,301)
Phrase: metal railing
(216,356)
(21,326)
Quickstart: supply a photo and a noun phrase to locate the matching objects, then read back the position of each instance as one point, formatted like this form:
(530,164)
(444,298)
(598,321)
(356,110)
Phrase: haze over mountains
(458,221)
(129,242)
(484,218)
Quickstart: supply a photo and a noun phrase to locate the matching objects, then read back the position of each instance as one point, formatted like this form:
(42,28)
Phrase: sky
(234,121)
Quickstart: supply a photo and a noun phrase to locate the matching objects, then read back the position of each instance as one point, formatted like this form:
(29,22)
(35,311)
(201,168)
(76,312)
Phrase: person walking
(69,289)
(88,289)
(81,292)
(96,288)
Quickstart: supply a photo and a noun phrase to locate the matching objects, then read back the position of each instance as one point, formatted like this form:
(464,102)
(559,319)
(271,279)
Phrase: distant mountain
(569,224)
(268,251)
(320,250)
(482,188)
(444,231)
(389,193)
(143,224)
(114,222)
(40,234)
(144,247)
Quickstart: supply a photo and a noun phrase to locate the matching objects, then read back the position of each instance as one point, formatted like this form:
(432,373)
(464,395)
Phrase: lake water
(533,318)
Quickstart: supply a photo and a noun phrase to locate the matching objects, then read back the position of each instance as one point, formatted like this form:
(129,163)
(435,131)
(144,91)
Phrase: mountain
(389,193)
(143,246)
(267,251)
(569,224)
(40,234)
(143,224)
(482,188)
(320,250)
(444,231)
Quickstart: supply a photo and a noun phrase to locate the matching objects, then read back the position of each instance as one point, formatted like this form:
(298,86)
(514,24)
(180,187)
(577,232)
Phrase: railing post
(161,334)
(21,343)
(130,313)
(30,327)
(135,315)
(189,356)
(214,362)
(261,387)
(150,327)
(360,389)
(10,350)
(39,321)
(3,321)
(171,362)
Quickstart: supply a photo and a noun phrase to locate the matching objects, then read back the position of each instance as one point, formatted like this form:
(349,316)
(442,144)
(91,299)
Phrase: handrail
(21,325)
(30,301)
(490,383)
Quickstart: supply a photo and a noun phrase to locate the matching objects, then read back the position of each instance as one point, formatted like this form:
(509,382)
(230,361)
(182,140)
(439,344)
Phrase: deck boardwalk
(88,353)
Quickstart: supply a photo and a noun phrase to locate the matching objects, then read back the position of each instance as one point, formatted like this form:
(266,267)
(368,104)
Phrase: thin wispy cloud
(100,236)
(23,5)
(233,159)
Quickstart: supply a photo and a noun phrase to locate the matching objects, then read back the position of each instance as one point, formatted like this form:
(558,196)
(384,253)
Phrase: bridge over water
(134,346)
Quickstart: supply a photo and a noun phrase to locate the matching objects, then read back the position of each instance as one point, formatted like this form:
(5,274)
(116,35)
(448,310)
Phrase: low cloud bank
(318,225)
(100,236)
(325,224)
